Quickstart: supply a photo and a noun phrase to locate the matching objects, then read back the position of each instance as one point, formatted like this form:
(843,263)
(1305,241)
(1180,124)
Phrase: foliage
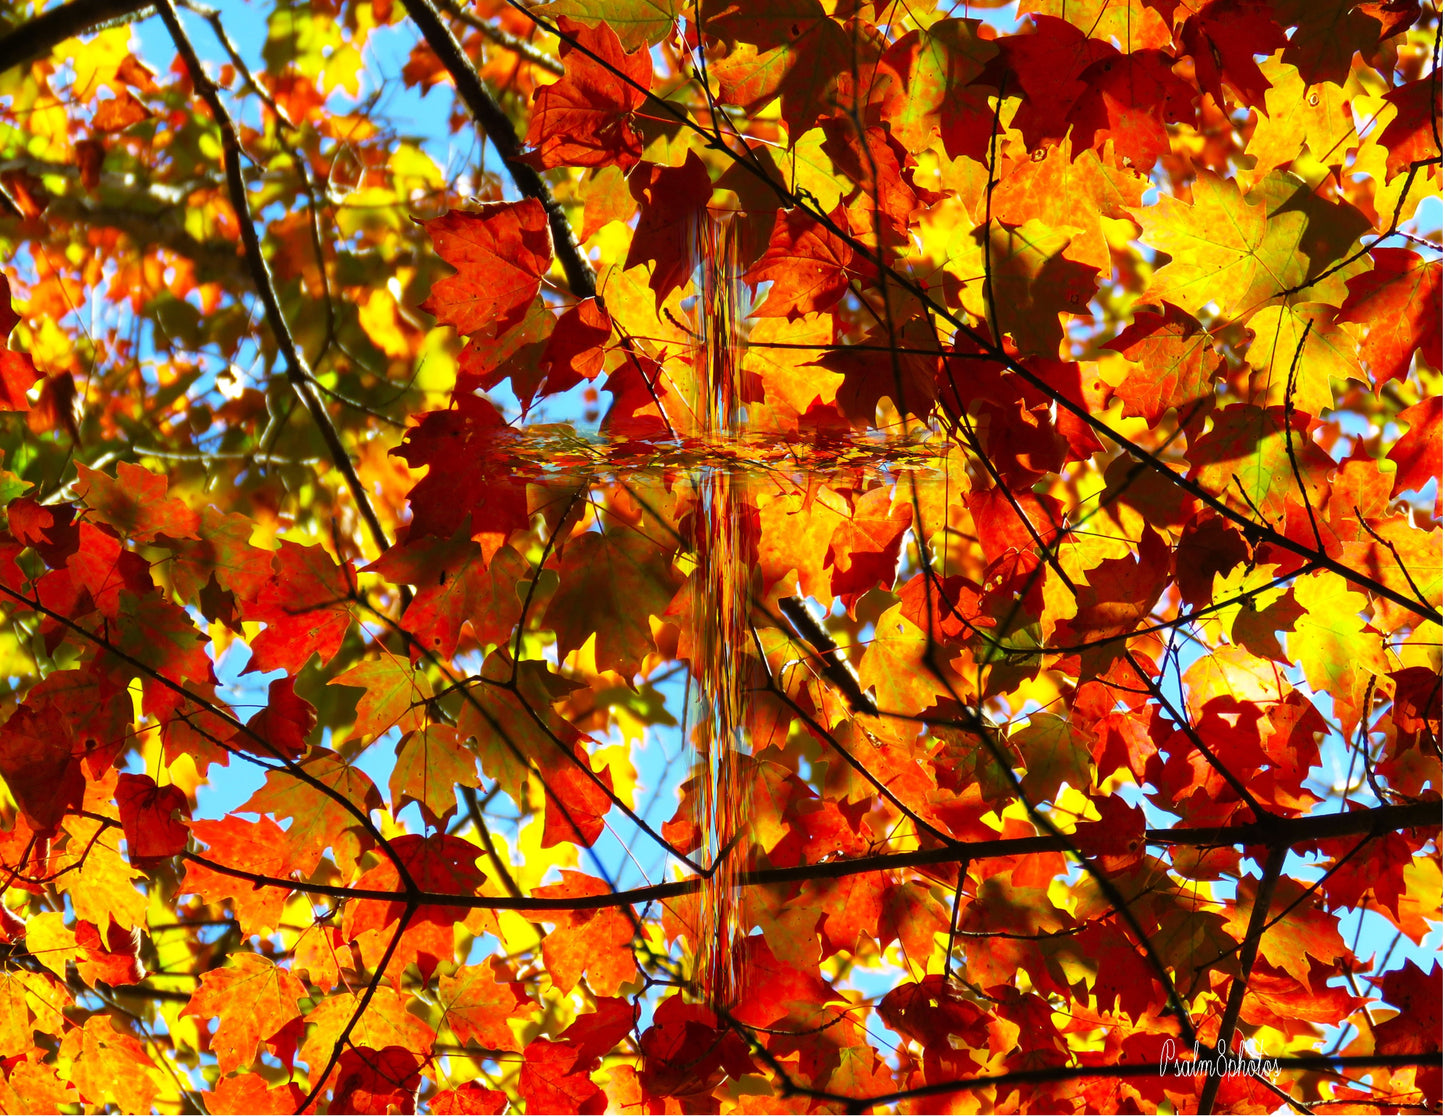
(1090,356)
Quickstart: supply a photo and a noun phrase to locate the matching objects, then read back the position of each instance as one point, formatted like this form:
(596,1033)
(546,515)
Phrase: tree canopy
(724,556)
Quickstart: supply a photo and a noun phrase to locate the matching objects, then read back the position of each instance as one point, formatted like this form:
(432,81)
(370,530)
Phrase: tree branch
(41,35)
(504,39)
(1248,953)
(297,370)
(1290,832)
(498,128)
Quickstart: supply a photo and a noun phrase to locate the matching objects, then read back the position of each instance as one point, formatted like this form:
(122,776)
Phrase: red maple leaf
(672,200)
(500,251)
(806,264)
(439,863)
(1399,303)
(306,606)
(146,815)
(585,120)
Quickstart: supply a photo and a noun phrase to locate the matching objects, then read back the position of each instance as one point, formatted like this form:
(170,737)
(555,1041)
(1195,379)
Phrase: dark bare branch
(297,370)
(39,36)
(498,128)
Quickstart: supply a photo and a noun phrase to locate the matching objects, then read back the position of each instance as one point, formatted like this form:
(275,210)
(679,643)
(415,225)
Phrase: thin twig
(1289,390)
(504,39)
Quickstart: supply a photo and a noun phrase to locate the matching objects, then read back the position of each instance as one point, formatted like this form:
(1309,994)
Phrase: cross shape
(725,460)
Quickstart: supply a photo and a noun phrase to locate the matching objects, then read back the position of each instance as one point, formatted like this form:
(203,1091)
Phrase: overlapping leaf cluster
(1090,355)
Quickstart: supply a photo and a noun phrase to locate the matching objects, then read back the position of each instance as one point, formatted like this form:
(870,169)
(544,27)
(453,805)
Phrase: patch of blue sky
(229,787)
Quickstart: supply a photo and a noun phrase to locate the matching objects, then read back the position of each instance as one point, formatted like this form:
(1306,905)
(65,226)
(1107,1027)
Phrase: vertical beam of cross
(720,608)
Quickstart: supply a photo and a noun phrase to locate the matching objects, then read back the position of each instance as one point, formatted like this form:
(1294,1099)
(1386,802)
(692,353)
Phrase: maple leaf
(1246,459)
(516,727)
(894,668)
(1054,753)
(687,1053)
(1416,1028)
(380,1022)
(935,1013)
(1275,998)
(1413,136)
(1177,364)
(393,695)
(866,380)
(780,354)
(250,1093)
(596,942)
(1298,929)
(30,1002)
(253,847)
(478,1007)
(254,1000)
(306,607)
(864,550)
(320,819)
(1226,249)
(282,727)
(469,484)
(1331,643)
(806,264)
(500,251)
(933,69)
(1129,103)
(1297,347)
(637,23)
(106,1062)
(135,504)
(514,355)
(612,582)
(469,1098)
(584,119)
(1120,593)
(1032,282)
(17,372)
(40,766)
(575,349)
(1058,190)
(1116,841)
(370,1081)
(1326,36)
(221,550)
(790,49)
(1224,37)
(1133,24)
(878,165)
(1399,303)
(779,991)
(146,813)
(456,585)
(440,863)
(551,1081)
(1297,116)
(1417,454)
(430,764)
(671,201)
